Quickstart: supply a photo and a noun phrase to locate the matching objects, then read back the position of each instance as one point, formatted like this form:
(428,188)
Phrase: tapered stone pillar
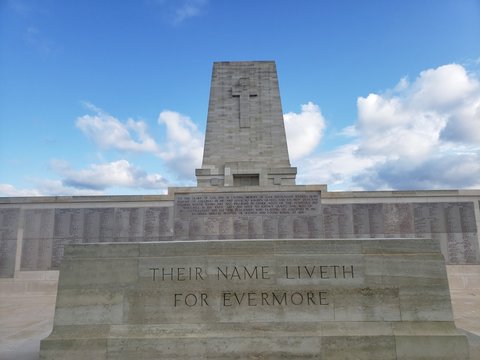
(245,142)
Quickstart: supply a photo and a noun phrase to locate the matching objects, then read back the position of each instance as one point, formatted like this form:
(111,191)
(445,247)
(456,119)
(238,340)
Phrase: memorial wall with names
(47,231)
(8,240)
(272,215)
(452,223)
(39,233)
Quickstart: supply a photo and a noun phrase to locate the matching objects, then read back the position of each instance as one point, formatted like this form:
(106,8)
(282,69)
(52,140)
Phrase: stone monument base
(338,340)
(255,299)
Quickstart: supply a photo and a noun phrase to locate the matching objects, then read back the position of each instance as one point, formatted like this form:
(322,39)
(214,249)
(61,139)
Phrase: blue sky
(110,97)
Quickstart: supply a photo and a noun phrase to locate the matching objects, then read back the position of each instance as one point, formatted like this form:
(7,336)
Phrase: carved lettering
(320,271)
(178,273)
(242,272)
(250,204)
(275,298)
(190,299)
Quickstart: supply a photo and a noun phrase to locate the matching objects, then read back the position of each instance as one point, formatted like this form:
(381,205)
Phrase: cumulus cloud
(108,132)
(183,148)
(96,179)
(444,88)
(391,126)
(419,135)
(99,177)
(449,170)
(335,168)
(304,130)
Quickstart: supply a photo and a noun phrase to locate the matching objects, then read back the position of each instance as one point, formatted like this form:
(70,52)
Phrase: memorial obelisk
(245,142)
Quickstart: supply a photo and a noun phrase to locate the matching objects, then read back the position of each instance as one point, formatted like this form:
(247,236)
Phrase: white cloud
(10,190)
(335,168)
(181,151)
(304,130)
(108,132)
(423,135)
(59,188)
(184,143)
(46,188)
(443,88)
(96,179)
(464,123)
(99,177)
(391,127)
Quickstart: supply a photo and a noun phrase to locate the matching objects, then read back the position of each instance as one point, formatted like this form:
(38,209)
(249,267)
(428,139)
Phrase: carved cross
(243,91)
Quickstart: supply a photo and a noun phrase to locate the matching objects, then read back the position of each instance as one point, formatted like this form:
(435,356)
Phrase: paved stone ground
(27,309)
(24,322)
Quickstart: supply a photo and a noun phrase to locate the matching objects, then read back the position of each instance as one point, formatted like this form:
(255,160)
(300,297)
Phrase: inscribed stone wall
(235,215)
(8,241)
(452,223)
(37,243)
(270,215)
(255,215)
(47,231)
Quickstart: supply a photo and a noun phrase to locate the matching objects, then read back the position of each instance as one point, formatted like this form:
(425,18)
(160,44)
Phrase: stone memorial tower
(255,269)
(247,265)
(245,142)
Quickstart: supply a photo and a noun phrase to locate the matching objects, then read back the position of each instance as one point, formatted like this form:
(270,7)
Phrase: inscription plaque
(158,223)
(38,224)
(8,250)
(37,239)
(258,215)
(68,223)
(368,220)
(99,225)
(452,223)
(8,241)
(129,224)
(247,215)
(338,221)
(398,220)
(36,254)
(9,223)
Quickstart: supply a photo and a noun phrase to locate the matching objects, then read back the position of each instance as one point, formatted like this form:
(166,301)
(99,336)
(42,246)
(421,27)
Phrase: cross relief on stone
(244,91)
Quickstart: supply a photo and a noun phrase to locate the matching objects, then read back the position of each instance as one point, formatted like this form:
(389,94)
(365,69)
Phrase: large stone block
(268,299)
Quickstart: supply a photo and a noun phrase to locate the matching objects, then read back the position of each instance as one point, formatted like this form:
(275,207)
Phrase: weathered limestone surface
(8,240)
(248,215)
(245,142)
(295,299)
(34,231)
